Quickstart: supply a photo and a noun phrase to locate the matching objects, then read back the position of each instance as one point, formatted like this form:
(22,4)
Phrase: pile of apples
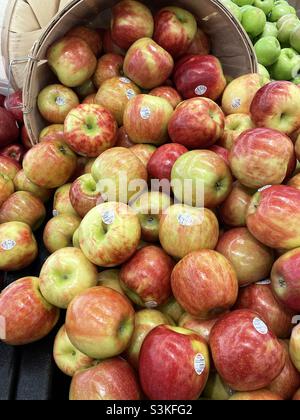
(165,299)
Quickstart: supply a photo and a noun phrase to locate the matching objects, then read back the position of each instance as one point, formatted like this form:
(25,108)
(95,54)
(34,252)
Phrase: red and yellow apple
(59,231)
(235,125)
(84,195)
(22,183)
(108,66)
(233,210)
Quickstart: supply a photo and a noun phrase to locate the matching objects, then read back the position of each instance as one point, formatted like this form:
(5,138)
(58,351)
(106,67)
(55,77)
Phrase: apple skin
(144,152)
(111,379)
(172,309)
(111,278)
(90,130)
(165,349)
(67,358)
(55,102)
(260,395)
(9,166)
(59,231)
(25,139)
(28,316)
(14,151)
(62,203)
(216,389)
(163,159)
(234,209)
(202,327)
(259,298)
(200,44)
(295,182)
(245,358)
(89,100)
(273,215)
(121,167)
(6,188)
(174,30)
(147,64)
(72,61)
(235,125)
(86,89)
(117,239)
(52,132)
(144,322)
(285,279)
(13,103)
(199,75)
(207,170)
(146,119)
(18,247)
(131,21)
(146,277)
(168,93)
(108,332)
(296,397)
(221,151)
(90,36)
(9,132)
(239,93)
(197,123)
(205,284)
(294,347)
(24,207)
(184,229)
(123,140)
(61,280)
(251,259)
(108,66)
(84,195)
(109,47)
(272,101)
(39,162)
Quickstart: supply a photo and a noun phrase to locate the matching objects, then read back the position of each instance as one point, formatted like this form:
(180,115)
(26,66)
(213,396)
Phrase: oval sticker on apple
(130,93)
(108,217)
(266,187)
(55,213)
(260,326)
(185,219)
(236,103)
(200,90)
(8,244)
(145,112)
(125,80)
(264,282)
(60,101)
(199,364)
(151,304)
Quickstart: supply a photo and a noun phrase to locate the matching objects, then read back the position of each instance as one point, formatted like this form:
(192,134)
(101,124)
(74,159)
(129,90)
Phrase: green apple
(267,50)
(293,10)
(287,66)
(278,11)
(254,21)
(233,8)
(263,71)
(244,8)
(295,38)
(270,29)
(283,19)
(285,30)
(243,2)
(296,80)
(265,5)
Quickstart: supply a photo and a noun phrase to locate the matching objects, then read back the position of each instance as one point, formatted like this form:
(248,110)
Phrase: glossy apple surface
(62,203)
(9,131)
(84,195)
(235,125)
(9,167)
(108,66)
(168,93)
(163,159)
(6,188)
(90,36)
(234,209)
(52,132)
(59,231)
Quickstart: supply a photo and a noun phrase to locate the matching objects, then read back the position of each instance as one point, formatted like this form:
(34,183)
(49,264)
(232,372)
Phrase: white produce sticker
(266,187)
(60,101)
(185,219)
(145,113)
(8,244)
(264,282)
(125,80)
(260,326)
(200,90)
(130,93)
(108,217)
(55,213)
(199,364)
(151,304)
(236,103)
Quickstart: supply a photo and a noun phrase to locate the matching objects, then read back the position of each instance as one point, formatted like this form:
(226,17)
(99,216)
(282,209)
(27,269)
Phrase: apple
(287,66)
(9,167)
(260,395)
(25,139)
(86,89)
(285,279)
(267,50)
(84,195)
(119,173)
(235,125)
(246,353)
(89,100)
(111,379)
(2,100)
(108,331)
(295,181)
(14,104)
(276,106)
(55,102)
(9,132)
(209,179)
(123,139)
(265,5)
(90,130)
(174,30)
(6,188)
(67,358)
(52,132)
(22,206)
(14,151)
(202,327)
(147,64)
(197,123)
(59,231)
(174,364)
(172,309)
(259,298)
(285,26)
(163,159)
(144,322)
(235,10)
(200,44)
(270,29)
(263,71)
(27,315)
(279,10)
(168,93)
(297,396)
(111,278)
(109,47)
(261,156)
(61,280)
(146,119)
(88,166)
(273,215)
(294,347)
(62,203)
(294,38)
(199,75)
(109,234)
(205,283)
(144,152)
(239,93)
(39,162)
(63,60)
(216,389)
(90,36)
(234,209)
(253,21)
(108,66)
(184,229)
(131,20)
(75,239)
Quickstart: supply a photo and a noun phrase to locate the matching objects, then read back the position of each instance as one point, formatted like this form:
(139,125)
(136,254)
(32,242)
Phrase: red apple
(131,20)
(163,159)
(6,188)
(2,100)
(168,93)
(9,167)
(294,347)
(174,364)
(123,139)
(202,327)
(27,315)
(273,216)
(90,130)
(234,209)
(14,151)
(9,130)
(90,99)
(25,138)
(200,44)
(197,123)
(90,36)
(108,66)
(82,161)
(59,231)
(22,183)
(52,132)
(111,379)
(14,104)
(261,395)
(109,46)
(246,353)
(84,195)
(205,283)
(235,125)
(146,277)
(147,64)
(221,151)
(259,298)
(199,75)
(62,203)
